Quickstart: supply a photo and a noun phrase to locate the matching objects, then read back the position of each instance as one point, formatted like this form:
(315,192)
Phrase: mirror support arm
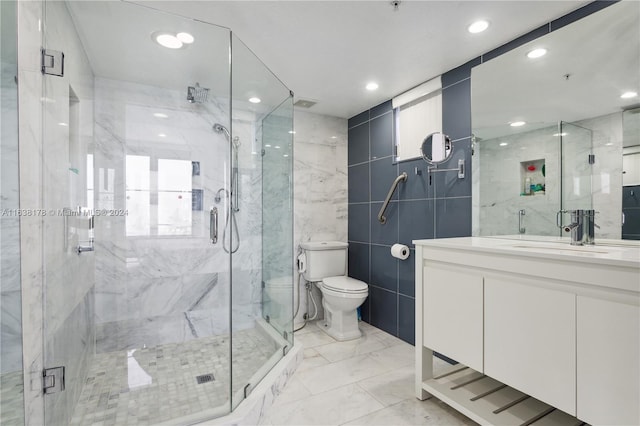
(460,169)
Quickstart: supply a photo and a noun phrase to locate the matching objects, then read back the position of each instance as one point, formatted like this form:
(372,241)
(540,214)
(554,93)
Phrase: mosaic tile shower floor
(150,385)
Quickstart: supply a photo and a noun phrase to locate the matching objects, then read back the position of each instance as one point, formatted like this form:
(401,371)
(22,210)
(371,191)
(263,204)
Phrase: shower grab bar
(213,225)
(521,228)
(402,178)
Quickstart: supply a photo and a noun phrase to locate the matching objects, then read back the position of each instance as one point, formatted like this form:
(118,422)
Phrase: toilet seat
(343,284)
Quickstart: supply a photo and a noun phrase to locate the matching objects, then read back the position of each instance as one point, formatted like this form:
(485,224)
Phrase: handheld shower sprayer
(235,187)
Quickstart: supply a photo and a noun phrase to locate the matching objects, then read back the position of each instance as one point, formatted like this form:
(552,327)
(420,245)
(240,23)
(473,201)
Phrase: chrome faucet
(582,226)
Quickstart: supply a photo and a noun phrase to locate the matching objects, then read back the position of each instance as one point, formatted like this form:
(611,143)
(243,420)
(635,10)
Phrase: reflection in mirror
(548,130)
(436,148)
(631,174)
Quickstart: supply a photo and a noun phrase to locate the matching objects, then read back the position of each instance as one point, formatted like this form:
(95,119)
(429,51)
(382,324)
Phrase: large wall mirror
(551,121)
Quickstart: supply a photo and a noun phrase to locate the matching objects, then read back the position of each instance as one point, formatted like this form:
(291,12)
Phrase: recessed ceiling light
(160,115)
(292,132)
(536,53)
(478,27)
(267,146)
(277,147)
(168,40)
(372,86)
(186,38)
(162,135)
(560,134)
(608,144)
(504,144)
(63,124)
(255,100)
(334,137)
(517,123)
(628,95)
(285,155)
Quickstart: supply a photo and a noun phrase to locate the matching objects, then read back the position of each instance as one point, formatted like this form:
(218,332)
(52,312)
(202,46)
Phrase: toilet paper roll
(400,251)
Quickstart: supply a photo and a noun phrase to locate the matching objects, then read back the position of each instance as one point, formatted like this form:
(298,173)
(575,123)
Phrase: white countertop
(624,253)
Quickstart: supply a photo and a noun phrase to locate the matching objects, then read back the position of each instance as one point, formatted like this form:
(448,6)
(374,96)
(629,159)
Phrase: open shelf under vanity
(490,402)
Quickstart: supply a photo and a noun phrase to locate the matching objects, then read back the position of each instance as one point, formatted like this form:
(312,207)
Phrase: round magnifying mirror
(436,148)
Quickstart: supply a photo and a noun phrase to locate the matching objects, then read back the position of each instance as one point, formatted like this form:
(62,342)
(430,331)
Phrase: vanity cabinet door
(453,313)
(530,339)
(608,362)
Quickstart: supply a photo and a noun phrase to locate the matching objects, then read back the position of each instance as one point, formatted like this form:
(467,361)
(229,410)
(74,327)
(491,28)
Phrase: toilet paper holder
(400,251)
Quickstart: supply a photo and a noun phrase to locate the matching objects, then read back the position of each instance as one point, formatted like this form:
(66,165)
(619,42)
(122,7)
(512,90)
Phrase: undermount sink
(582,249)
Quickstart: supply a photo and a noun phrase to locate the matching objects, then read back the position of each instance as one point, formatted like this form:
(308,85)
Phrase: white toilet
(325,264)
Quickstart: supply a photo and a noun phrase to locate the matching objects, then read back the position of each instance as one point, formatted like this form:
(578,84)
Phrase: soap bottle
(527,186)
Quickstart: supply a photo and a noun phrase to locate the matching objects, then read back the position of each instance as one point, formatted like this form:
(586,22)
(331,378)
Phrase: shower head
(197,94)
(219,128)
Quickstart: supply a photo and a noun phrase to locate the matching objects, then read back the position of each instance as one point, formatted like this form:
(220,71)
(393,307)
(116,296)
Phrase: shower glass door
(11,377)
(136,165)
(576,151)
(261,245)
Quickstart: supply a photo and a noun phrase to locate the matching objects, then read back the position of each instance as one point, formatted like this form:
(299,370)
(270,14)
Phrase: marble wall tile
(320,187)
(142,279)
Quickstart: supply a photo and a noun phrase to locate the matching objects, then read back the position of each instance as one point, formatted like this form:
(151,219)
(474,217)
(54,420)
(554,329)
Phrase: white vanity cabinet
(558,323)
(608,367)
(457,296)
(533,328)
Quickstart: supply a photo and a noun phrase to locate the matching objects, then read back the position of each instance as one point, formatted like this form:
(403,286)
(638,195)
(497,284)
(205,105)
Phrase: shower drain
(205,378)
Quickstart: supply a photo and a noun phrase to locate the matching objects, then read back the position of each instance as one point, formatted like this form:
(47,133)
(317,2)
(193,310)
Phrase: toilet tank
(324,259)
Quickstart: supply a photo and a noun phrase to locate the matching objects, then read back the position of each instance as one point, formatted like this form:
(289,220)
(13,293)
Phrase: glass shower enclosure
(167,247)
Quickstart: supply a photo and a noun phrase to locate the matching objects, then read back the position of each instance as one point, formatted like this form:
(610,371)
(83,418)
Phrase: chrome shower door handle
(213,225)
(91,247)
(521,228)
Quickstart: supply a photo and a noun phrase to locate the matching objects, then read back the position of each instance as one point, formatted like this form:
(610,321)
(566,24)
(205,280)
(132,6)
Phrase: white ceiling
(324,51)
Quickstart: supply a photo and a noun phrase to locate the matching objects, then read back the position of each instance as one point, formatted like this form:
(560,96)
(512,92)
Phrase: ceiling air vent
(304,103)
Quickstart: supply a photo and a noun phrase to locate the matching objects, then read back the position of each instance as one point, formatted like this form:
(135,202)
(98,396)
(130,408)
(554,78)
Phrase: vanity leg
(424,356)
(424,370)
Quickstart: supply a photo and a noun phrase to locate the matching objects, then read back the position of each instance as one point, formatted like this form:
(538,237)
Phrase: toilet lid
(345,284)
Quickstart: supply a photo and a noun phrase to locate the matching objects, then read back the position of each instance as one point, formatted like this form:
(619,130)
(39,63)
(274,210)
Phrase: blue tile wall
(631,210)
(425,206)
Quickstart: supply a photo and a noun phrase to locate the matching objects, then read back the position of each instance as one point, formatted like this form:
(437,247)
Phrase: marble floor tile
(414,412)
(337,351)
(312,359)
(373,375)
(392,387)
(335,407)
(396,356)
(337,374)
(314,338)
(293,391)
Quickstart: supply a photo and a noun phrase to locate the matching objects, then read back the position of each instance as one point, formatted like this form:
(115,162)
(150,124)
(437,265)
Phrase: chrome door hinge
(53,380)
(52,62)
